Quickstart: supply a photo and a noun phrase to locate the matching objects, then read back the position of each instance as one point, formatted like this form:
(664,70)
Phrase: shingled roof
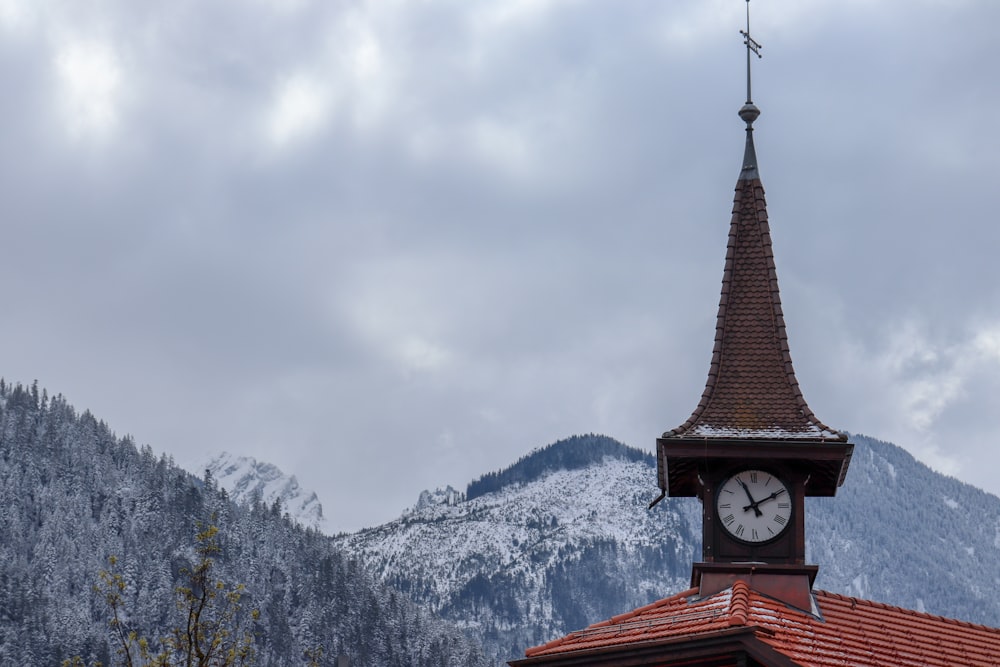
(837,632)
(751,390)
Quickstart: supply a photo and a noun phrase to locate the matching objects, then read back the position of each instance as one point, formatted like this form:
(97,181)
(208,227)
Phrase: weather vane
(752,45)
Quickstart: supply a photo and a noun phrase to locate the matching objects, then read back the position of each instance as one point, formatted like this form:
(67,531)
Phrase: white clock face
(754,506)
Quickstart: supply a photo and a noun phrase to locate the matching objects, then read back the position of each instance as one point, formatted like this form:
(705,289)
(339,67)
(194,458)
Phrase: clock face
(754,506)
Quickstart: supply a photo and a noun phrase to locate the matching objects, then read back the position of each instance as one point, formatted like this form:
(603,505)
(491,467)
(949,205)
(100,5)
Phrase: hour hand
(753,503)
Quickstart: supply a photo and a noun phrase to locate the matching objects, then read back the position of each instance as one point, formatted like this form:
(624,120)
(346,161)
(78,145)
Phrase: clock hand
(773,496)
(753,503)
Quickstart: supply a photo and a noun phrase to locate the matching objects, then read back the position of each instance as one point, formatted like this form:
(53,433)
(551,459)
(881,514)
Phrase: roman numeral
(728,519)
(770,530)
(784,506)
(753,477)
(725,506)
(755,534)
(780,519)
(739,530)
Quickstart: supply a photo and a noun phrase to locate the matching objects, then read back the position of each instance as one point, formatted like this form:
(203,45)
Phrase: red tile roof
(751,390)
(840,631)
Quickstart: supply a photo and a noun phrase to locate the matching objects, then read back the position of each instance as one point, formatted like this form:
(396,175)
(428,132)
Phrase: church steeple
(752,449)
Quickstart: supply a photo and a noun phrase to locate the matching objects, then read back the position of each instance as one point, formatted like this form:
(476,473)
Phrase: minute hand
(754,503)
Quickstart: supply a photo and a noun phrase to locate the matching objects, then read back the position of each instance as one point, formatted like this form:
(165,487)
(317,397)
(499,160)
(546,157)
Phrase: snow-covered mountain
(563,538)
(555,542)
(248,480)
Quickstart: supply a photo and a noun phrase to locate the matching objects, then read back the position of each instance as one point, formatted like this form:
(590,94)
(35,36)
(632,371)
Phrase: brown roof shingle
(751,390)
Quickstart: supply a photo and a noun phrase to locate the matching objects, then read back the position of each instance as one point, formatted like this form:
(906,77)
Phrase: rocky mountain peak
(248,480)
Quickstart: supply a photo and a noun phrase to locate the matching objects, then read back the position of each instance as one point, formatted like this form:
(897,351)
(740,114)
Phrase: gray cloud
(391,246)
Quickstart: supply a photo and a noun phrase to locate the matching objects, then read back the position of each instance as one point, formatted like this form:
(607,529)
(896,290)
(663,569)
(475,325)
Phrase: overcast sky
(396,244)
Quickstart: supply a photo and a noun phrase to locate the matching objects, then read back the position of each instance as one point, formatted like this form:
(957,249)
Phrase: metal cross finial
(752,45)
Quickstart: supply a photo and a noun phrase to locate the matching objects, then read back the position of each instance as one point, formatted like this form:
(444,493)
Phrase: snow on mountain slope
(246,480)
(533,560)
(540,518)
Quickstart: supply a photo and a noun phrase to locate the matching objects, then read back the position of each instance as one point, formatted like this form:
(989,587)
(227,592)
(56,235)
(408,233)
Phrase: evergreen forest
(74,495)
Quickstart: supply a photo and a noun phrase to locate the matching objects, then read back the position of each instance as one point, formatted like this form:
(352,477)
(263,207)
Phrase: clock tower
(752,450)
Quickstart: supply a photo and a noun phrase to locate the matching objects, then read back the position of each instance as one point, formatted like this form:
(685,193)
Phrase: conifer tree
(211,628)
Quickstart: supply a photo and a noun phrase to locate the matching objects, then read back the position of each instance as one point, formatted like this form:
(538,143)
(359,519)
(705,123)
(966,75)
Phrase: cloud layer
(393,245)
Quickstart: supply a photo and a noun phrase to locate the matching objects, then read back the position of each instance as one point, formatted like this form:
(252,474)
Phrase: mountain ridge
(574,452)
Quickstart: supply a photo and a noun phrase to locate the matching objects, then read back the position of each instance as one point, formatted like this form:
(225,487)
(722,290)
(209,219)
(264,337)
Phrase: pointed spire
(751,390)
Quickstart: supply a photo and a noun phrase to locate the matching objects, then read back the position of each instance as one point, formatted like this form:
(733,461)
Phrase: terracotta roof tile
(739,608)
(841,631)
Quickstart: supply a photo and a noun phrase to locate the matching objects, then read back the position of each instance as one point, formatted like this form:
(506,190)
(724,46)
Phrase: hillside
(899,532)
(74,494)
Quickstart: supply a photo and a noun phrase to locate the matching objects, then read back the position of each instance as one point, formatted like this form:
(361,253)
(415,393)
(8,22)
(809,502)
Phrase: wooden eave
(722,648)
(681,460)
